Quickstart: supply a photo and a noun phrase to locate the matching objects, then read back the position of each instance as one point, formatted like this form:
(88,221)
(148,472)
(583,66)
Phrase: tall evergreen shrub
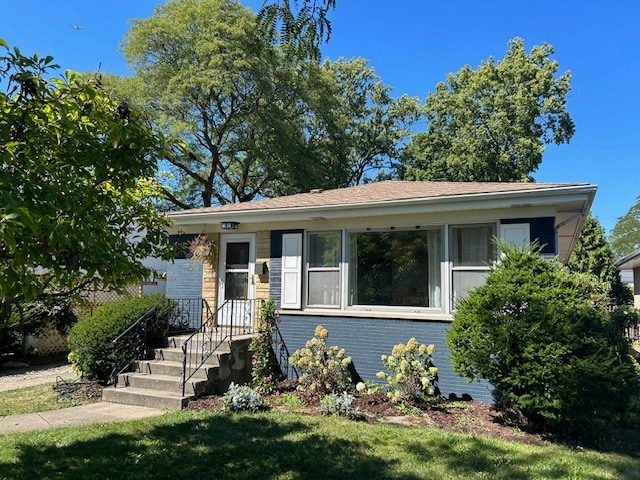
(538,333)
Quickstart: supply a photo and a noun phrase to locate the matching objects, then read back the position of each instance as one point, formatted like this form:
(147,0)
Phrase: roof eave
(494,200)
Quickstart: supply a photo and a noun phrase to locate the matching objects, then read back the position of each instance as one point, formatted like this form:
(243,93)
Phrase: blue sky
(413,44)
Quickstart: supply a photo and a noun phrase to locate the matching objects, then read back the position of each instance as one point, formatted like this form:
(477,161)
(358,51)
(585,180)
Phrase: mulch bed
(476,418)
(78,392)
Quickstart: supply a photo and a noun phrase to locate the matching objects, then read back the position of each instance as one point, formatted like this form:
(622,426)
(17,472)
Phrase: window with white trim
(472,252)
(395,268)
(323,269)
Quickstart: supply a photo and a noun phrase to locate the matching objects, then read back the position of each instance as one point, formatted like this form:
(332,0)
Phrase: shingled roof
(381,192)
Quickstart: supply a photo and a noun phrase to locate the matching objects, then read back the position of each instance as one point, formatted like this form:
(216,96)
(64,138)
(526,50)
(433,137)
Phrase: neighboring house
(375,264)
(629,268)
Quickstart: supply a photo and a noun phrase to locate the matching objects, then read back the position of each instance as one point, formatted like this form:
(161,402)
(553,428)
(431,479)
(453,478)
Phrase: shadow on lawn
(212,447)
(256,447)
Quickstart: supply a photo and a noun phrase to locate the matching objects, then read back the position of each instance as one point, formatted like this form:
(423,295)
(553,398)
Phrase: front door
(236,290)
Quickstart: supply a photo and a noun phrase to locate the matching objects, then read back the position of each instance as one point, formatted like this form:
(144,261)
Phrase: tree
(492,123)
(541,335)
(625,236)
(300,30)
(593,255)
(77,192)
(222,94)
(359,135)
(246,118)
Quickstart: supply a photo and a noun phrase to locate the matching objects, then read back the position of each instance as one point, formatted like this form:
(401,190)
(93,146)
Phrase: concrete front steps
(157,383)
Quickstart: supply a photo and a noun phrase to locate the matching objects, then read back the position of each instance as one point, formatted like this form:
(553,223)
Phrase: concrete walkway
(102,412)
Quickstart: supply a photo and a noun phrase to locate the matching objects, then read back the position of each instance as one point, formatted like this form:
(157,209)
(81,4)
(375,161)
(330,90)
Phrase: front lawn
(277,445)
(48,396)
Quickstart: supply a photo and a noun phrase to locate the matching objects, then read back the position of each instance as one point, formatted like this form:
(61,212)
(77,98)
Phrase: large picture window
(472,251)
(395,268)
(323,270)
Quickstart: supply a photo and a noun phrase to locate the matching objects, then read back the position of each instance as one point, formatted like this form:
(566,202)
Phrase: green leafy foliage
(324,370)
(92,351)
(340,405)
(239,398)
(593,255)
(412,374)
(77,196)
(300,26)
(625,236)
(541,336)
(492,123)
(265,370)
(244,116)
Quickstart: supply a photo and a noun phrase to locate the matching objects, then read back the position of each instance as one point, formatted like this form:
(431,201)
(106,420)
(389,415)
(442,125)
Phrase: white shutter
(291,270)
(516,234)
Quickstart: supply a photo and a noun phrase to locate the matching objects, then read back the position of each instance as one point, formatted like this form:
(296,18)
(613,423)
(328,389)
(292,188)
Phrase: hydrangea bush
(323,370)
(412,374)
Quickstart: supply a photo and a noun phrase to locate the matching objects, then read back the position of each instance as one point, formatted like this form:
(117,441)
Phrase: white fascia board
(532,198)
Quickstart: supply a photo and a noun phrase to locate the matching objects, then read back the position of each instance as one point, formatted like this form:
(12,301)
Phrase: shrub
(341,405)
(91,339)
(265,370)
(413,375)
(535,332)
(324,370)
(242,397)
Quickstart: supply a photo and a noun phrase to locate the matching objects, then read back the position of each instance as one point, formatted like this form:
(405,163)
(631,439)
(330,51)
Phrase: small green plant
(241,398)
(324,370)
(265,370)
(410,410)
(368,388)
(340,405)
(291,400)
(412,374)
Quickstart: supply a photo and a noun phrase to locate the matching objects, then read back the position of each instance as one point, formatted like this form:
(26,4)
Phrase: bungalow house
(375,264)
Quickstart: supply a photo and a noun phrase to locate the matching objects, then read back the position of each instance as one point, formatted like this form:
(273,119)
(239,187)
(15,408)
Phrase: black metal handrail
(233,317)
(133,344)
(282,355)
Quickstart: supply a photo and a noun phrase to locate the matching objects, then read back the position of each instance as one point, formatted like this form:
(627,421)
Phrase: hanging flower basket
(202,248)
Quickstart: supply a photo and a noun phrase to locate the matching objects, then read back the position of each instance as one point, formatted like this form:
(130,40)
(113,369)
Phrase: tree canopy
(76,184)
(246,118)
(625,236)
(492,123)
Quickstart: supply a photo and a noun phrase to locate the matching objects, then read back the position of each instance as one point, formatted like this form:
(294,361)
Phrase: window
(472,251)
(395,268)
(323,269)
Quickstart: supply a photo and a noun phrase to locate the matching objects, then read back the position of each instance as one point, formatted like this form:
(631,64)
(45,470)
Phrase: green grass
(285,446)
(39,398)
(31,399)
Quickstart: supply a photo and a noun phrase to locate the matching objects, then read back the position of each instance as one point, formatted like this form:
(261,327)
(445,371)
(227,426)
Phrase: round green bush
(91,346)
(537,333)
